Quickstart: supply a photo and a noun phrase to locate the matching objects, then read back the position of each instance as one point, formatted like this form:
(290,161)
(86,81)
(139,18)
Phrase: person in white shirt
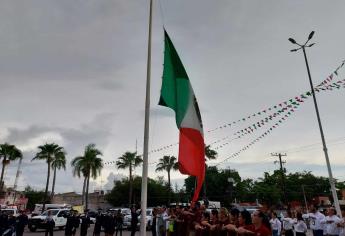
(300,226)
(276,225)
(331,223)
(288,223)
(315,218)
(341,225)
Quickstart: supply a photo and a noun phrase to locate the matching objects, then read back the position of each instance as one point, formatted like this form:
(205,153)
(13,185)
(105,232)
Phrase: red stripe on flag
(192,156)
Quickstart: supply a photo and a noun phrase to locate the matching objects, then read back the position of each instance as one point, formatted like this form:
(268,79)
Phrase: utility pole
(324,145)
(279,155)
(305,199)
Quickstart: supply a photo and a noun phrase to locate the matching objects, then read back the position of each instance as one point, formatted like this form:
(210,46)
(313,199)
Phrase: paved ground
(62,233)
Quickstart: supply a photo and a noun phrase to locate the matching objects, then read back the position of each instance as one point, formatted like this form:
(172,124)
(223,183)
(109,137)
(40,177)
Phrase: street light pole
(330,175)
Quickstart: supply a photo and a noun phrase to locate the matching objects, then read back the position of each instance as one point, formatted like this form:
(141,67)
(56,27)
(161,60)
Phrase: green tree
(8,153)
(33,197)
(129,160)
(47,152)
(217,182)
(210,153)
(167,163)
(59,162)
(158,192)
(90,165)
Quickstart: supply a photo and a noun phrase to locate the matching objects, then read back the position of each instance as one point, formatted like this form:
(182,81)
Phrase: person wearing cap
(99,222)
(76,221)
(85,223)
(70,223)
(134,221)
(50,224)
(21,221)
(119,222)
(331,222)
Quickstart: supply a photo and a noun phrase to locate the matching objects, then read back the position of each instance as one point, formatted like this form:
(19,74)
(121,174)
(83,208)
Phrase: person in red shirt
(223,220)
(260,227)
(214,222)
(234,222)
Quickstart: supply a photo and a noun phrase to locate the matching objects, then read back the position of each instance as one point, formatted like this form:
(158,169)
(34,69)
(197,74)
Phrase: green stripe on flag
(175,92)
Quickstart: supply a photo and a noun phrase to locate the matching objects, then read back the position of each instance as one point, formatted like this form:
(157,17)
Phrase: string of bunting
(277,106)
(339,84)
(290,108)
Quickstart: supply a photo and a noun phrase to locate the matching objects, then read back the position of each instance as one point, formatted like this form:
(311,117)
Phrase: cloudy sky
(73,72)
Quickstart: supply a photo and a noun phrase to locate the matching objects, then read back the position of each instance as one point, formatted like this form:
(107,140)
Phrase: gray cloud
(111,178)
(74,72)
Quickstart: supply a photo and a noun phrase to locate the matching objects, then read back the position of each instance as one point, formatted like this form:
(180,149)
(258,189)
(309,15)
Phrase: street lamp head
(310,45)
(292,40)
(311,35)
(293,50)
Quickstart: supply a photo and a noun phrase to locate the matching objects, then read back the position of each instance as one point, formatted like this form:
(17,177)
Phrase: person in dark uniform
(119,222)
(98,224)
(70,224)
(3,222)
(76,221)
(109,224)
(85,223)
(11,224)
(154,222)
(50,224)
(134,221)
(21,221)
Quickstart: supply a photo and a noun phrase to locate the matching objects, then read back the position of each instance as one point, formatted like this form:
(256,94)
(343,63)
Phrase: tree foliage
(129,160)
(34,197)
(8,153)
(89,165)
(48,152)
(158,192)
(267,189)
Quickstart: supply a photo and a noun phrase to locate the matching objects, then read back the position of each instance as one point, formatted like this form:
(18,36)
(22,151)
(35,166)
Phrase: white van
(39,222)
(38,207)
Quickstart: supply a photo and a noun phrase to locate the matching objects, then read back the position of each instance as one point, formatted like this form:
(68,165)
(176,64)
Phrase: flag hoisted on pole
(146,133)
(177,93)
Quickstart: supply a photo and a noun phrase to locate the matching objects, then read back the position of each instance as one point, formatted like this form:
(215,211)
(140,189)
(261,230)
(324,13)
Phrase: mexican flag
(177,93)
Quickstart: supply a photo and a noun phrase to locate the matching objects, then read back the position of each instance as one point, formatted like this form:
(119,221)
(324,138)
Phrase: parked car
(39,222)
(128,218)
(124,211)
(10,211)
(38,208)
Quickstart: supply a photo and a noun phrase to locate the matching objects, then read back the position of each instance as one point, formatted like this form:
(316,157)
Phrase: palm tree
(8,153)
(129,160)
(79,170)
(48,152)
(89,165)
(59,162)
(167,163)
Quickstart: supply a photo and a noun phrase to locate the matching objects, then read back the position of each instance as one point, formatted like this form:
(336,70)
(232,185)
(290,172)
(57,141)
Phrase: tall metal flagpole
(330,175)
(146,133)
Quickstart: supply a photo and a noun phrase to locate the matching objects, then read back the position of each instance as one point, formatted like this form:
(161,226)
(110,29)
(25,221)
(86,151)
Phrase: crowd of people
(196,220)
(199,221)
